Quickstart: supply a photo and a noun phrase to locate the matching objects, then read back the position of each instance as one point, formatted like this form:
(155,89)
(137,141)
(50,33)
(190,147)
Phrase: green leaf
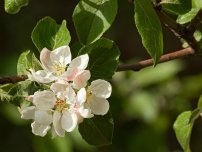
(182,7)
(183,128)
(197,4)
(98,130)
(75,48)
(149,27)
(24,63)
(185,18)
(93,17)
(104,55)
(47,33)
(36,65)
(14,6)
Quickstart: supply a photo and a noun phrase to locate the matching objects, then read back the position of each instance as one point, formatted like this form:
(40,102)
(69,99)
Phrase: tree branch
(167,57)
(13,79)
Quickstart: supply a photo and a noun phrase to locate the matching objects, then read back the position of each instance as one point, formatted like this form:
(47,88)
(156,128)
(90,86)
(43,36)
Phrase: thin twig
(12,79)
(195,22)
(167,57)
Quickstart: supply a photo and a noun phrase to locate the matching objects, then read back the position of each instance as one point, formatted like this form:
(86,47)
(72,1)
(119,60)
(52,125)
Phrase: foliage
(92,19)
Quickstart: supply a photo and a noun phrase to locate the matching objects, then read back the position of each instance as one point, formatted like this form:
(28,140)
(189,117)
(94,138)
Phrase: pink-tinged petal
(70,74)
(61,55)
(28,112)
(43,117)
(39,130)
(42,76)
(57,124)
(81,79)
(69,121)
(70,95)
(46,60)
(100,88)
(99,106)
(80,62)
(81,96)
(44,100)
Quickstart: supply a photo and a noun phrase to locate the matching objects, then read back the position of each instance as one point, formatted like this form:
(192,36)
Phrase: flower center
(59,69)
(60,105)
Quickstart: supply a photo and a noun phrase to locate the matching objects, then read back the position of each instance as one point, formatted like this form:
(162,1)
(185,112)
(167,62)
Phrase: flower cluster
(70,97)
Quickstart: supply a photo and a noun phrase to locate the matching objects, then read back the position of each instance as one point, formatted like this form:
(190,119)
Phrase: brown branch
(181,31)
(167,57)
(12,79)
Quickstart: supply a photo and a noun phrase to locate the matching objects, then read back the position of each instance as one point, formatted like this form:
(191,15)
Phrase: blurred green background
(144,104)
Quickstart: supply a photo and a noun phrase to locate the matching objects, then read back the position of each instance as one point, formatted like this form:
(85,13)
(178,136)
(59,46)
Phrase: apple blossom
(57,64)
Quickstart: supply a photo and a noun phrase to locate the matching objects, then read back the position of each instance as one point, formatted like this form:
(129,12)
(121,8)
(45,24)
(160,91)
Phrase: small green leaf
(104,55)
(149,28)
(93,17)
(14,6)
(182,7)
(98,130)
(183,128)
(47,33)
(24,63)
(185,18)
(36,65)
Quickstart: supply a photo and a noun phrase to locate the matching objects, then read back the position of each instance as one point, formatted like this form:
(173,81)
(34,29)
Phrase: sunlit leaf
(149,28)
(47,33)
(93,17)
(183,128)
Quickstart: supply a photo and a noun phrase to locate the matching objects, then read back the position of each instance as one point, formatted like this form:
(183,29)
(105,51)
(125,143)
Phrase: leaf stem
(164,58)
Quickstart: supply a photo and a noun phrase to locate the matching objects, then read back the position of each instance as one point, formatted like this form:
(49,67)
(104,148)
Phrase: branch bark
(167,57)
(13,79)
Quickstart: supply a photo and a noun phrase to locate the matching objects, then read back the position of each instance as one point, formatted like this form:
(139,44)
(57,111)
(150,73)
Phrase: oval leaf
(98,130)
(14,6)
(24,63)
(93,17)
(47,33)
(104,55)
(185,18)
(183,128)
(149,27)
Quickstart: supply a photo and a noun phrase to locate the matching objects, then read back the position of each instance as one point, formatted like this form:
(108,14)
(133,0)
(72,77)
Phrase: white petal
(100,88)
(59,89)
(85,112)
(81,79)
(99,106)
(61,55)
(69,121)
(80,62)
(70,95)
(38,129)
(44,100)
(28,112)
(42,76)
(57,124)
(81,96)
(43,117)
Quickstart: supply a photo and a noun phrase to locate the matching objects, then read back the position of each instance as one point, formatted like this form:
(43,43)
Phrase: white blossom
(57,65)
